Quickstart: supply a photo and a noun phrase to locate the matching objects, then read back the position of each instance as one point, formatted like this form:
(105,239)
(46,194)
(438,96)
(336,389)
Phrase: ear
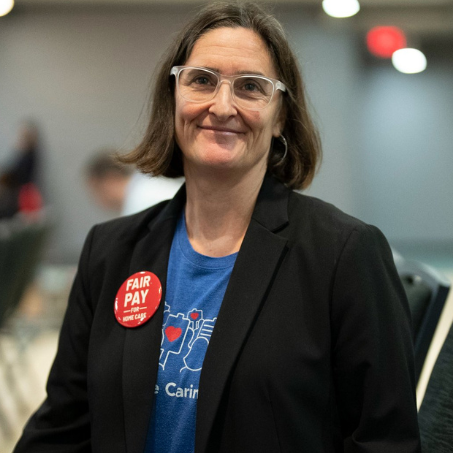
(280,119)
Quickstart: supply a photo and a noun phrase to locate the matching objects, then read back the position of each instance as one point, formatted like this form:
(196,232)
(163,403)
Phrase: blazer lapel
(256,266)
(142,344)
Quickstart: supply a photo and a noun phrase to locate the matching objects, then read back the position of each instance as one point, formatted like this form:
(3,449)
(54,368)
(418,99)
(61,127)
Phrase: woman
(282,325)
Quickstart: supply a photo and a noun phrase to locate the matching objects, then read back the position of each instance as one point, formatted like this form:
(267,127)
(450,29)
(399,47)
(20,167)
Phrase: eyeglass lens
(199,85)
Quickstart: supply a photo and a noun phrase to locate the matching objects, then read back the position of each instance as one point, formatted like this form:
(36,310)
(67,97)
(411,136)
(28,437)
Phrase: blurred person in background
(108,180)
(19,184)
(116,187)
(240,316)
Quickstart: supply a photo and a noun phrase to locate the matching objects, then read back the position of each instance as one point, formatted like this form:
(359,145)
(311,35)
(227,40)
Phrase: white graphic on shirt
(185,337)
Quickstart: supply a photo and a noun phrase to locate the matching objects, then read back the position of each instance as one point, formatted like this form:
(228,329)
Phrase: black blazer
(311,351)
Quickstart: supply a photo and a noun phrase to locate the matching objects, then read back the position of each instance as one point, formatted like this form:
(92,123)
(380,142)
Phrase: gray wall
(84,73)
(406,137)
(329,60)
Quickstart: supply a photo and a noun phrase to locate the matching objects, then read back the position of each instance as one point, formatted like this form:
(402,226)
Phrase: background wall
(83,74)
(406,137)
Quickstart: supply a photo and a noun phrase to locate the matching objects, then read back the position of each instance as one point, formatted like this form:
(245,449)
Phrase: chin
(221,164)
(219,155)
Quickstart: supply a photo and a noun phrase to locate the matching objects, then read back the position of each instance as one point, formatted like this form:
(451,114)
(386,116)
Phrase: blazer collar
(142,344)
(271,210)
(256,266)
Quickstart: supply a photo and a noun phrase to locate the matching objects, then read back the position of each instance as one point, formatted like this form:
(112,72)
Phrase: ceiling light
(341,8)
(6,6)
(409,61)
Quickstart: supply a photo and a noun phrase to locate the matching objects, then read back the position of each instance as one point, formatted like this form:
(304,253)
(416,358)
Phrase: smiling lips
(220,129)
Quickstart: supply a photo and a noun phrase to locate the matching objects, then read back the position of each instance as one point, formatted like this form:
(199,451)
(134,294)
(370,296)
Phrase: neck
(218,211)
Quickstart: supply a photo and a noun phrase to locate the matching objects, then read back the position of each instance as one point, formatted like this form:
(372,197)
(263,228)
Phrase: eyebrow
(238,73)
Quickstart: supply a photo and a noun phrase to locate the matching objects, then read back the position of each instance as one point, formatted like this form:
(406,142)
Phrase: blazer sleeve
(372,349)
(62,423)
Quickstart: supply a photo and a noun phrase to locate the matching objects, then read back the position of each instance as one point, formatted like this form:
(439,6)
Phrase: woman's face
(218,135)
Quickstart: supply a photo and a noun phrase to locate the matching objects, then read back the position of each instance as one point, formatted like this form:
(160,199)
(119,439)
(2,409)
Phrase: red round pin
(138,299)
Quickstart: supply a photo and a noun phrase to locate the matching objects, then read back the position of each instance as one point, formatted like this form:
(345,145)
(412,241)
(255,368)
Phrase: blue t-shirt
(196,285)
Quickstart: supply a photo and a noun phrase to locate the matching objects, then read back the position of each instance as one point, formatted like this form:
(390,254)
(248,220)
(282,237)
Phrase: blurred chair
(436,412)
(426,291)
(21,245)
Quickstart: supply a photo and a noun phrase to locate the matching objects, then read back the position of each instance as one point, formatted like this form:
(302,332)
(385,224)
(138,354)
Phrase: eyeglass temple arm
(279,86)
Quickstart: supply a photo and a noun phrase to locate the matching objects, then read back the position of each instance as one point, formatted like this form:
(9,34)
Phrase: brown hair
(158,153)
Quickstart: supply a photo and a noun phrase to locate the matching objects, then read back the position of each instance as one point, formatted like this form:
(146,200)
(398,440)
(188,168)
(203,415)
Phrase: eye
(251,86)
(197,79)
(201,80)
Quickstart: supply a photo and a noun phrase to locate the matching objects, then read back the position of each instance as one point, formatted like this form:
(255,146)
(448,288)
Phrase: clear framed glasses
(249,91)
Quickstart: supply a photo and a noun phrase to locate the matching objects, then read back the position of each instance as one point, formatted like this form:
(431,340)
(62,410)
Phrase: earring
(285,144)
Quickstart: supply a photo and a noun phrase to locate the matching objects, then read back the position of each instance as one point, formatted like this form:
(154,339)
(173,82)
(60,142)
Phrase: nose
(223,104)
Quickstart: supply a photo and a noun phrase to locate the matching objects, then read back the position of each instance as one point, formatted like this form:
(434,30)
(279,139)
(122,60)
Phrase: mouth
(221,130)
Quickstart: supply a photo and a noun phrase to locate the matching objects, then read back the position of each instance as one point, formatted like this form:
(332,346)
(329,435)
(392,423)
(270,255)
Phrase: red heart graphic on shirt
(173,333)
(194,316)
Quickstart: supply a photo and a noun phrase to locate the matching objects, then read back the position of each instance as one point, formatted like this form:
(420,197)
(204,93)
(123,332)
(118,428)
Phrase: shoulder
(115,240)
(326,230)
(311,213)
(316,211)
(124,231)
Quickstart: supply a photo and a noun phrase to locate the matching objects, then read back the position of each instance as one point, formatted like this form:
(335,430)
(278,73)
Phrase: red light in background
(383,41)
